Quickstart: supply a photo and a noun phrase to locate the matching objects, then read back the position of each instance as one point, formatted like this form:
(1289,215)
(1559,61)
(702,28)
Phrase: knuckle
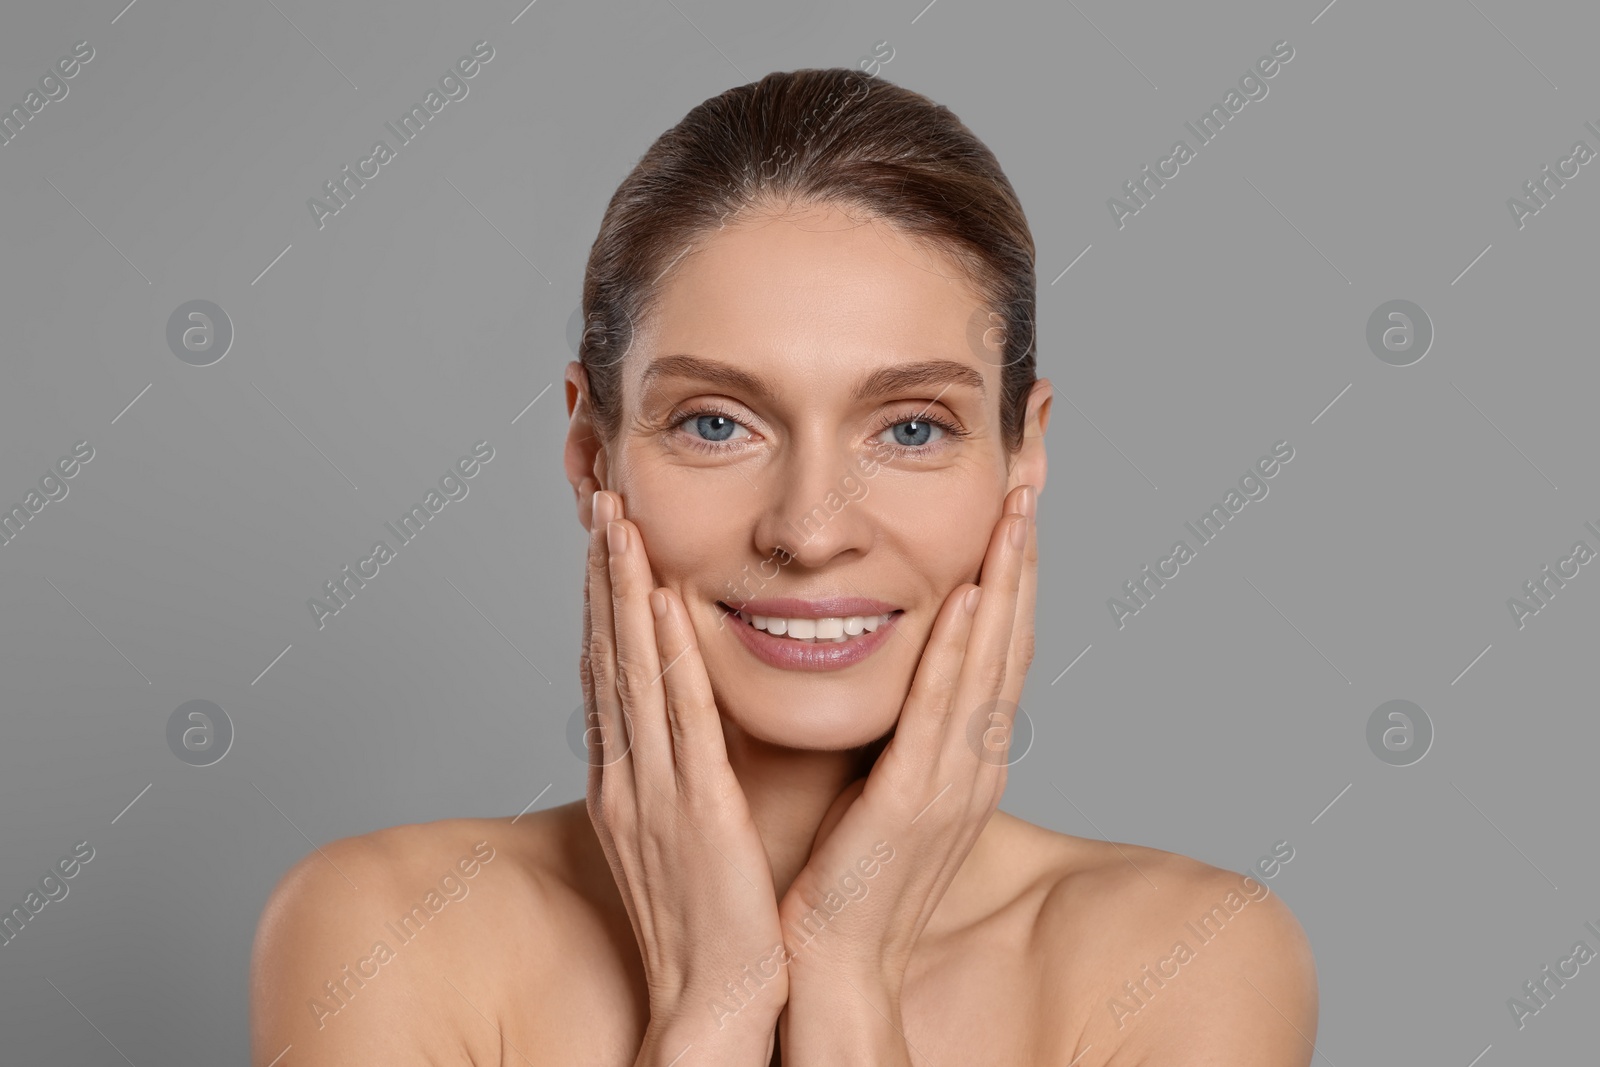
(1025,647)
(622,824)
(598,657)
(627,681)
(993,675)
(715,799)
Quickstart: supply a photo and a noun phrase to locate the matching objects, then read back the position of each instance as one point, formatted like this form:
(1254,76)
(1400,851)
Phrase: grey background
(1227,315)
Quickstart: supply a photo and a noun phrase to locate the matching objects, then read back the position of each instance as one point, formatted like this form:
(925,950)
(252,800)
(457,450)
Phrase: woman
(806,440)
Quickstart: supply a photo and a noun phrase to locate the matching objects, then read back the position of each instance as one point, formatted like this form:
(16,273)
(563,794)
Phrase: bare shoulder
(1158,958)
(389,946)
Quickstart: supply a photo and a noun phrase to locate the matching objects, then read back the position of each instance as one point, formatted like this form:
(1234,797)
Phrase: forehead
(816,293)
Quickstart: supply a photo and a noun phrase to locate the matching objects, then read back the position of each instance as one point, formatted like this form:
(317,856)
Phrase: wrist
(820,976)
(844,1019)
(846,994)
(716,1028)
(673,1048)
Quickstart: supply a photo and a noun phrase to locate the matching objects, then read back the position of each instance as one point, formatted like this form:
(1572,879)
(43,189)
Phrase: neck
(789,792)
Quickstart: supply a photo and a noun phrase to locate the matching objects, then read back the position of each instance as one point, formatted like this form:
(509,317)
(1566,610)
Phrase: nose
(814,508)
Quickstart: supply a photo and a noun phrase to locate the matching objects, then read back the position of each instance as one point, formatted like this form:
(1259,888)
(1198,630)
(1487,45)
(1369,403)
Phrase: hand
(929,795)
(670,815)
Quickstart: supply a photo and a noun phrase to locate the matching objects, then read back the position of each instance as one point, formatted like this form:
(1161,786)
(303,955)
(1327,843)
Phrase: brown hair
(832,135)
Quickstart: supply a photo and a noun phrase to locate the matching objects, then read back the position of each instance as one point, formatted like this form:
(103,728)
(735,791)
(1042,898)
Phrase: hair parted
(830,136)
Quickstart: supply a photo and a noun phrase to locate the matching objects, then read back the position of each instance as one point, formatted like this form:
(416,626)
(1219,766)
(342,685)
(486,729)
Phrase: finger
(608,732)
(984,666)
(1021,645)
(586,488)
(927,707)
(639,684)
(699,751)
(592,748)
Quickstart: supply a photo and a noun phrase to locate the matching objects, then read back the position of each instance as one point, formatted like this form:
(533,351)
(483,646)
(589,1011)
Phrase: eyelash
(952,431)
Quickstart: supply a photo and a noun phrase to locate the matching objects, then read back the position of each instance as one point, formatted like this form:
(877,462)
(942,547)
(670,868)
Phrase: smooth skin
(929,795)
(727,799)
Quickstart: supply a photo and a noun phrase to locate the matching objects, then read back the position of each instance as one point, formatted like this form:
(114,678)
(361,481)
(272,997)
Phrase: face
(859,457)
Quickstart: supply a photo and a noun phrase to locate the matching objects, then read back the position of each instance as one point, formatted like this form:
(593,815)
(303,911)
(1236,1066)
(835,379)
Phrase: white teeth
(833,629)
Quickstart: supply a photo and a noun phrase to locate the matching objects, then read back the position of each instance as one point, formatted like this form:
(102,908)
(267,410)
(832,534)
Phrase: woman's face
(827,469)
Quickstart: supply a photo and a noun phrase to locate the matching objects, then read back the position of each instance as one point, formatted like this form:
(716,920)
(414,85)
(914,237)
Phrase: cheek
(943,533)
(688,532)
(970,543)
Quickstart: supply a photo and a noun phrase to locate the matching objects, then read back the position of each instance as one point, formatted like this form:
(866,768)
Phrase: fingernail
(616,537)
(1030,502)
(970,601)
(658,604)
(603,507)
(1019,532)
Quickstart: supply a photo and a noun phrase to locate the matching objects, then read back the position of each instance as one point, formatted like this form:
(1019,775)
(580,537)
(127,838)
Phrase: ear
(584,457)
(1028,466)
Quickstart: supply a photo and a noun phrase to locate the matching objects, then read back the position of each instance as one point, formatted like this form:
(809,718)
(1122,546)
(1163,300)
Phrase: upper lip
(829,607)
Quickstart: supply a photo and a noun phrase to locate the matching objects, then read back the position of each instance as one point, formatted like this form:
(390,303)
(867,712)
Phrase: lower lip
(792,655)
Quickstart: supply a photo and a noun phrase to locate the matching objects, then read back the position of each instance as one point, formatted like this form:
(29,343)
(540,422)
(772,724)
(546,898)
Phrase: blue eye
(709,428)
(714,427)
(920,432)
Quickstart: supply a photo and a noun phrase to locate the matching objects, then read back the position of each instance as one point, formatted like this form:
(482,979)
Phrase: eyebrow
(882,382)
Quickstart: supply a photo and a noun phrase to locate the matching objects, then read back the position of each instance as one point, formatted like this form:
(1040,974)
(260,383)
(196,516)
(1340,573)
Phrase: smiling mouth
(817,631)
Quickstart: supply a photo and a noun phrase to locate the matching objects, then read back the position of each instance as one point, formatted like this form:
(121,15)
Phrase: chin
(817,724)
(822,710)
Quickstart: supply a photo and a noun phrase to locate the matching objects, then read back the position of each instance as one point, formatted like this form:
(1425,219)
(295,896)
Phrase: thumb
(836,811)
